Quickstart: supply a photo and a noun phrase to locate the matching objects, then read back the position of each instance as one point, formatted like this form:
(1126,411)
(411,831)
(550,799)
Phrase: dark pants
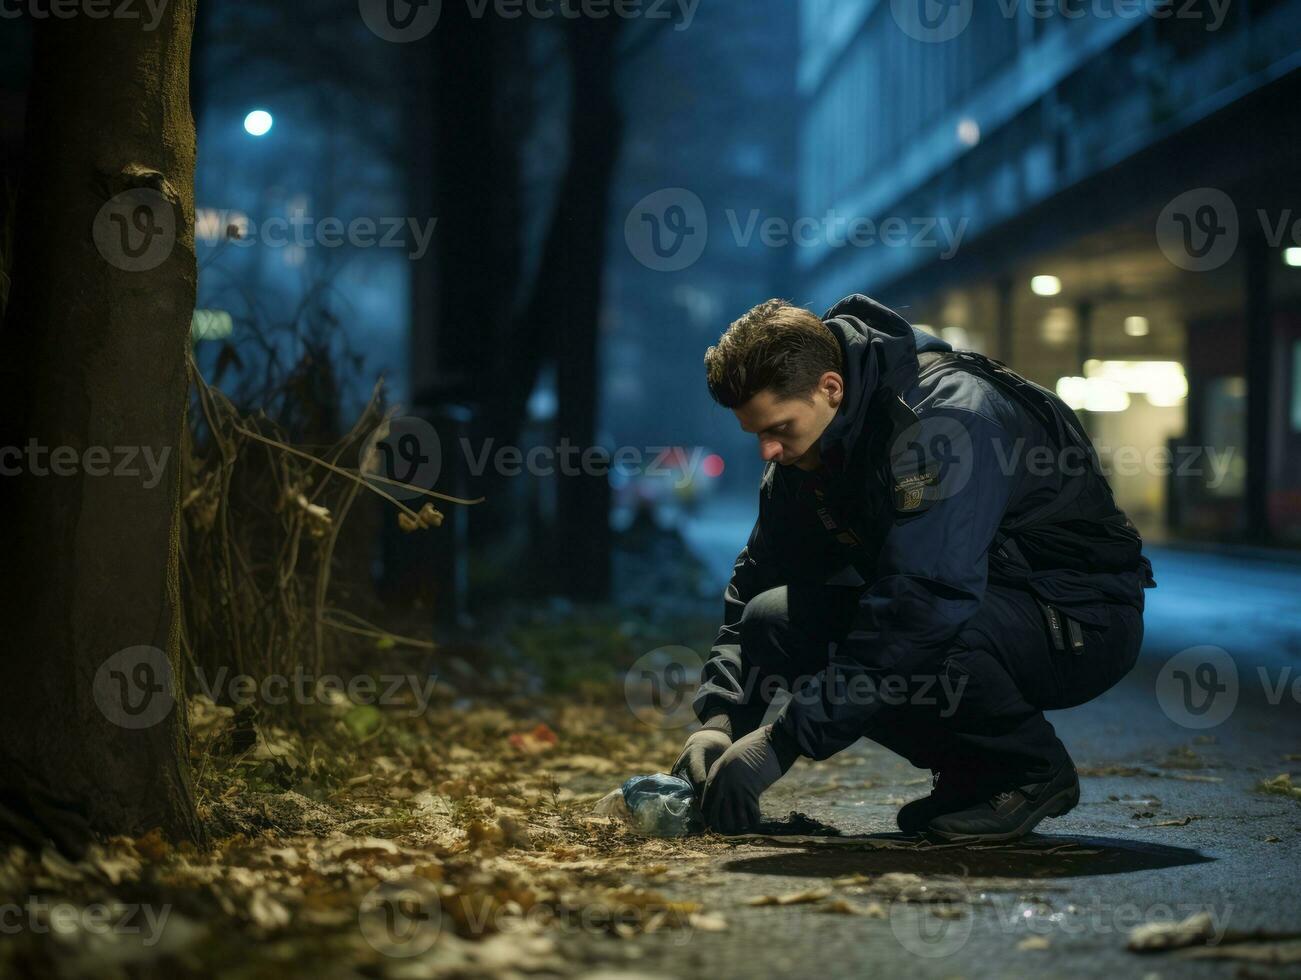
(1003,665)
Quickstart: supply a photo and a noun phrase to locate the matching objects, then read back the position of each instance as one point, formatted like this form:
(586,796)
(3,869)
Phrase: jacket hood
(880,350)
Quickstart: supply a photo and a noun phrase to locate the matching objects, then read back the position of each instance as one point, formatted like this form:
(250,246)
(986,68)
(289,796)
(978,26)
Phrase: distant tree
(93,361)
(558,319)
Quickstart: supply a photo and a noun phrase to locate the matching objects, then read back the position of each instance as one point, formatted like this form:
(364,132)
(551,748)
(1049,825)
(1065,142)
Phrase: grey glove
(702,750)
(740,777)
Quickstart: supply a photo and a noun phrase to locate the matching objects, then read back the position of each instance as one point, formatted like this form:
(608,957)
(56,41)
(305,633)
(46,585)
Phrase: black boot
(1010,813)
(952,790)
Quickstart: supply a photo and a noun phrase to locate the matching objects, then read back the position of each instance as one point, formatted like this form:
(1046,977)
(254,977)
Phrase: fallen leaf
(1277,954)
(791,898)
(839,906)
(706,921)
(362,721)
(855,879)
(1156,936)
(266,911)
(948,910)
(1280,785)
(540,739)
(1181,822)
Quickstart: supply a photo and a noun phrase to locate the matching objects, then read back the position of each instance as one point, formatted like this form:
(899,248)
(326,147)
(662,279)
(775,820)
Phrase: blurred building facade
(1102,195)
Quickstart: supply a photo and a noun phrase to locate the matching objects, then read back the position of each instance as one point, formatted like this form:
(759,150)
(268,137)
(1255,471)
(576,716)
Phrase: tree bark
(93,368)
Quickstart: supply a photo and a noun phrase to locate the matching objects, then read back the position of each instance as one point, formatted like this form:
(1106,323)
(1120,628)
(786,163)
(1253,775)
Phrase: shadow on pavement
(1035,856)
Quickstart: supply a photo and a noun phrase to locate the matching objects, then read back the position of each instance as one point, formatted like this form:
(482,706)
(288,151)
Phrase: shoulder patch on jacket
(911,492)
(930,460)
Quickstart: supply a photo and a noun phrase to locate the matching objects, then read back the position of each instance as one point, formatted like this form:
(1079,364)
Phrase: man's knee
(764,623)
(973,686)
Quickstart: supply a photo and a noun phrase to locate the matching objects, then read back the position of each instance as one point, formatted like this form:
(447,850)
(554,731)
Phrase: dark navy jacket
(923,480)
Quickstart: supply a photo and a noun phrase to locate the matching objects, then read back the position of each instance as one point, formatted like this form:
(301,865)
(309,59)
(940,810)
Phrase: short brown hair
(775,346)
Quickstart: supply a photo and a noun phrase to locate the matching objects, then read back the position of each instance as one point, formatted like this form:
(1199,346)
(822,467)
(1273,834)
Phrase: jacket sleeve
(930,579)
(727,698)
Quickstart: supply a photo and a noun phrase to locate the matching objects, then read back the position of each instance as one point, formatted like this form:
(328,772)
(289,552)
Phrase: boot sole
(1057,805)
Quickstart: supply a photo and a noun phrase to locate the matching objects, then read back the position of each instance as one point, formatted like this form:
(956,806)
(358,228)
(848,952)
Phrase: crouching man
(937,560)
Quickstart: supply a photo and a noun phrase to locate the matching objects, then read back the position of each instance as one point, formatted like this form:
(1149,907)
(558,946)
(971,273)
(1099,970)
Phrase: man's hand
(698,756)
(740,777)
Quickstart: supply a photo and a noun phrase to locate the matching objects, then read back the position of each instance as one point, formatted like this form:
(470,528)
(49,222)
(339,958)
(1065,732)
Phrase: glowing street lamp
(258,122)
(1046,286)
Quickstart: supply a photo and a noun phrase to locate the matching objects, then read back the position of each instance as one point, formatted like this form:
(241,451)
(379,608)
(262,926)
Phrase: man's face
(789,430)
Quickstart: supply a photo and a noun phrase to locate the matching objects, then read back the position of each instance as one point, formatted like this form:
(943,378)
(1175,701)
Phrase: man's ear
(834,385)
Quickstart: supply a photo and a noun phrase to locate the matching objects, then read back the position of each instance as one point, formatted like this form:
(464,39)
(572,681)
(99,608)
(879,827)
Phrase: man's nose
(769,449)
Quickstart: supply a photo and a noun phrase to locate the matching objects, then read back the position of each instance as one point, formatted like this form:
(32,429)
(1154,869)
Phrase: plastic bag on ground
(612,804)
(659,805)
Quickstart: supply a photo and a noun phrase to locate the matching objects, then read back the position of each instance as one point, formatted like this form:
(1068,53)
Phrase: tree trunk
(568,296)
(559,322)
(93,386)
